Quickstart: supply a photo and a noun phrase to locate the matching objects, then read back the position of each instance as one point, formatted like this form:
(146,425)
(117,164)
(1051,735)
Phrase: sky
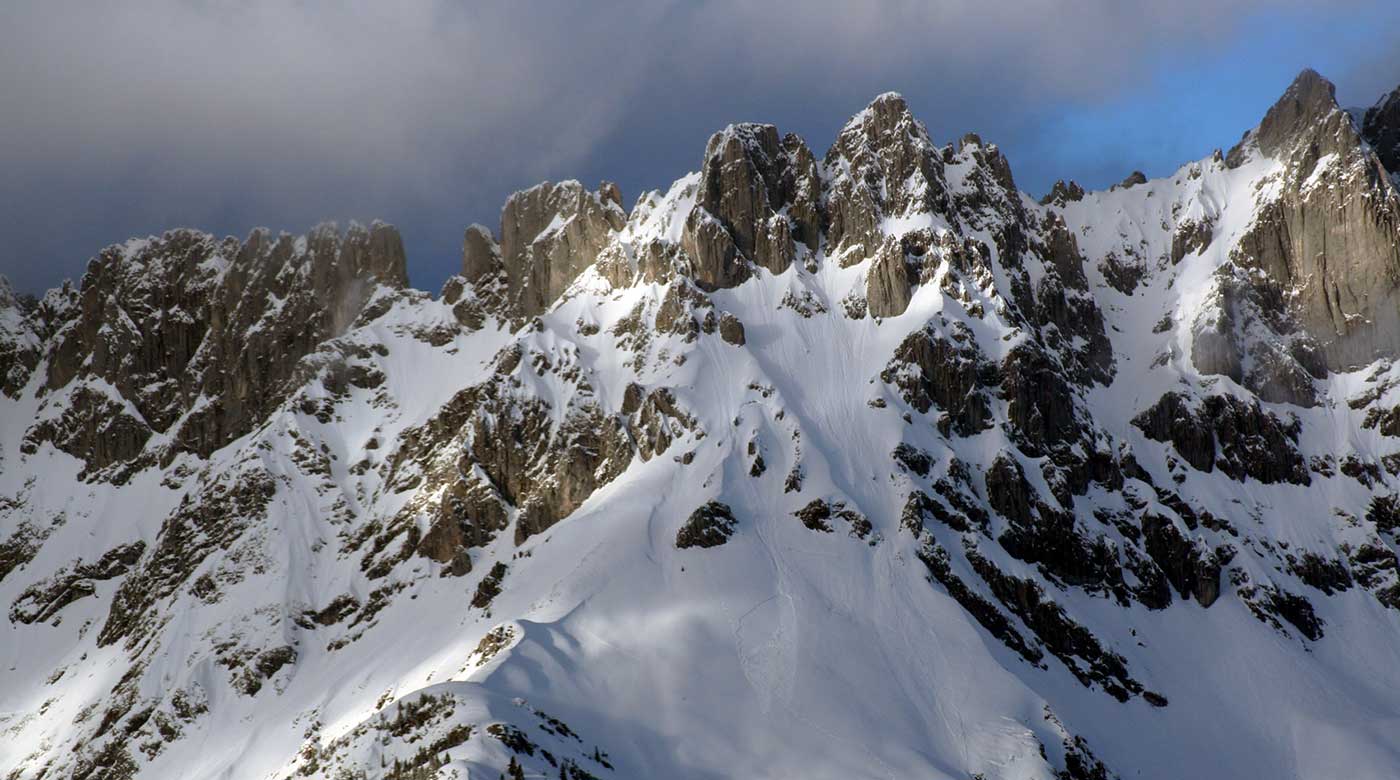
(127,119)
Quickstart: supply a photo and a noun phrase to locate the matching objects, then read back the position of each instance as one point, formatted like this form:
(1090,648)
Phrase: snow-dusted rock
(866,467)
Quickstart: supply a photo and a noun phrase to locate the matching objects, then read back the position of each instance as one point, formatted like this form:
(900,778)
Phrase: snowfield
(293,610)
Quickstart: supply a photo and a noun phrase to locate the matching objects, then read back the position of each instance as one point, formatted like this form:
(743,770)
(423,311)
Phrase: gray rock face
(1062,193)
(949,373)
(550,234)
(731,329)
(19,342)
(749,175)
(204,332)
(1307,100)
(1132,180)
(708,526)
(489,451)
(1248,323)
(889,167)
(1329,242)
(481,289)
(1191,236)
(759,199)
(713,255)
(481,255)
(1381,129)
(889,285)
(1192,572)
(1214,349)
(1239,438)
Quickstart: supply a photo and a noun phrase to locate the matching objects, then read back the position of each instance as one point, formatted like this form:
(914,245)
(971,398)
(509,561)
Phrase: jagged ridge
(791,447)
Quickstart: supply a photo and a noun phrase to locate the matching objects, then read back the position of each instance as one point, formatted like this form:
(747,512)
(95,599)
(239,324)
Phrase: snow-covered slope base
(863,466)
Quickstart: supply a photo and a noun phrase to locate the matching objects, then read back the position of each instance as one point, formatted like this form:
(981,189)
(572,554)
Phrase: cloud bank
(128,118)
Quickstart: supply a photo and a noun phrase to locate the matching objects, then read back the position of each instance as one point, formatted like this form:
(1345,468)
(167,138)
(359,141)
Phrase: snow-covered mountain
(866,465)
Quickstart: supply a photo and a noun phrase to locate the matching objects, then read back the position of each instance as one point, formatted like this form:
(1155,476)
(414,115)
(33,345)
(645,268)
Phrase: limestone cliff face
(550,233)
(883,164)
(761,200)
(197,338)
(758,200)
(1331,238)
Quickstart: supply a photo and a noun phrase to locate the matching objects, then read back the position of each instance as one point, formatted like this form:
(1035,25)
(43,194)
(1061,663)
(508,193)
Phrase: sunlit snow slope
(862,466)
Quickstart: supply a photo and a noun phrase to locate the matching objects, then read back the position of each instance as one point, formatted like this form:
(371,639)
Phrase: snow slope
(293,611)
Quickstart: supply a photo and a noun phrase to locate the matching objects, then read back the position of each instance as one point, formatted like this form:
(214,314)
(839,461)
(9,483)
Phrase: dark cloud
(127,118)
(1365,82)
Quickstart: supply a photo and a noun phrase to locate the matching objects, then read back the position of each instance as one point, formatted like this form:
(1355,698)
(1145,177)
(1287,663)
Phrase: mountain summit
(863,464)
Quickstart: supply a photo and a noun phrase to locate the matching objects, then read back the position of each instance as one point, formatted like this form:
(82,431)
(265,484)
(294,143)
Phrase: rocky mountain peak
(8,298)
(885,125)
(1307,101)
(887,109)
(749,176)
(1063,192)
(550,234)
(988,156)
(1325,239)
(743,140)
(780,415)
(882,164)
(1131,180)
(481,255)
(1381,129)
(198,338)
(1305,115)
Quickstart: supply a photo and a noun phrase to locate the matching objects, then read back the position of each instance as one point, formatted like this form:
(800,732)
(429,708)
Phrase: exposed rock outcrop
(764,193)
(890,283)
(708,526)
(1193,573)
(1246,322)
(1381,128)
(1191,236)
(199,338)
(1132,180)
(944,370)
(1223,432)
(1329,239)
(212,519)
(550,234)
(885,166)
(44,599)
(1062,193)
(19,343)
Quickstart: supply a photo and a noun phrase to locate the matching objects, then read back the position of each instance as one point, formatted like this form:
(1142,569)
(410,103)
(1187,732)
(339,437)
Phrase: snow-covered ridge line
(860,466)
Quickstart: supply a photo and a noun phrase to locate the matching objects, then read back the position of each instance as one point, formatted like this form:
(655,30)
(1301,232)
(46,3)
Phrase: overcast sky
(124,119)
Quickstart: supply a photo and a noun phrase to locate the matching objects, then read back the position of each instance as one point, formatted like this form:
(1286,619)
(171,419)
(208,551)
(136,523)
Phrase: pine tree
(514,771)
